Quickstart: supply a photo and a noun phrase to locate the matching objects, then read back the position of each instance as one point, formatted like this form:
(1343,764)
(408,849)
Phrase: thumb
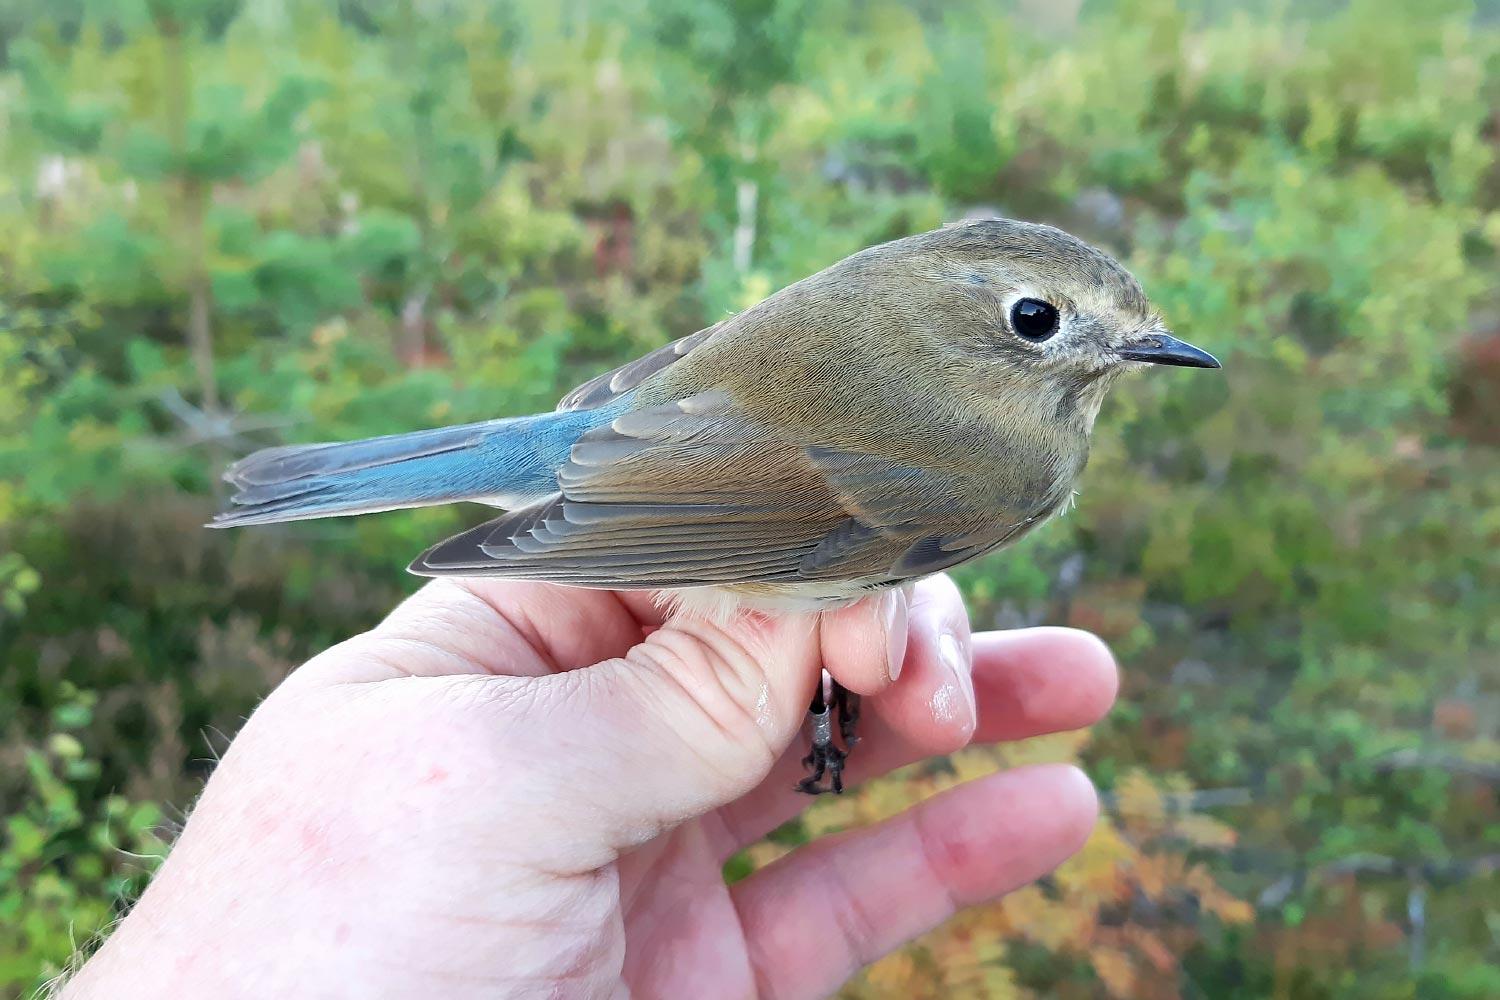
(695,715)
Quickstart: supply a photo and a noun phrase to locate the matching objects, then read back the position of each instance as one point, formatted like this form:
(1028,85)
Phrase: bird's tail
(501,462)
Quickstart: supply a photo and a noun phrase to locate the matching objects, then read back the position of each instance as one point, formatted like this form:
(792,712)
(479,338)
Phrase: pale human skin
(504,791)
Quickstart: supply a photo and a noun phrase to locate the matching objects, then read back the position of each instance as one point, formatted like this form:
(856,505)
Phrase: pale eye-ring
(1034,319)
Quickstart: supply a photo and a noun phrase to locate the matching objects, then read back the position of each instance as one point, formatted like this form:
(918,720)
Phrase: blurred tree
(719,65)
(152,115)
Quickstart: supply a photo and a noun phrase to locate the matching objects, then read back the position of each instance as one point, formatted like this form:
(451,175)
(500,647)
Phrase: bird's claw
(823,758)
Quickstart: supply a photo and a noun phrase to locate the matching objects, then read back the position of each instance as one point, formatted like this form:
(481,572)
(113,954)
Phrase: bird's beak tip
(1164,349)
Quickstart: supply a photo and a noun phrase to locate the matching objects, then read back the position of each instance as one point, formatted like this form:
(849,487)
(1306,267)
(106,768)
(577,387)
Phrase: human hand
(515,789)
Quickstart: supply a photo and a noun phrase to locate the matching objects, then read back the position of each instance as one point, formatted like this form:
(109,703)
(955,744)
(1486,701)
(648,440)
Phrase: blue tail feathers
(506,463)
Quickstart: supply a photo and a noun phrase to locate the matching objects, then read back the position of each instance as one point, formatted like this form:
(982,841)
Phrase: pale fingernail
(957,694)
(894,606)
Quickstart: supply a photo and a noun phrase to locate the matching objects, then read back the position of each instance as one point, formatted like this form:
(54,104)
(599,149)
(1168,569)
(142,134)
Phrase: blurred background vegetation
(229,224)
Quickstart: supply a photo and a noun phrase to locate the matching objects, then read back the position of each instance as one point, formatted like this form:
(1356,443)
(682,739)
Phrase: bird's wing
(695,493)
(610,386)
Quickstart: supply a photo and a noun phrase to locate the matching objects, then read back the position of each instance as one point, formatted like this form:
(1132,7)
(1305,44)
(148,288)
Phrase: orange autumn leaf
(1115,970)
(1152,949)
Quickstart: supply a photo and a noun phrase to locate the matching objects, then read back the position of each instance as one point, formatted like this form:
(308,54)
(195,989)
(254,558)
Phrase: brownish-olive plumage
(874,423)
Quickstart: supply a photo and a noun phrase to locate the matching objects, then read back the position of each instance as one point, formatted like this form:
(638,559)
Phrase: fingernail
(959,690)
(894,606)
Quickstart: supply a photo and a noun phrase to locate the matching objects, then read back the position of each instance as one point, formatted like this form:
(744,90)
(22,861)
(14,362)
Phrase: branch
(1426,870)
(1399,759)
(203,426)
(1177,803)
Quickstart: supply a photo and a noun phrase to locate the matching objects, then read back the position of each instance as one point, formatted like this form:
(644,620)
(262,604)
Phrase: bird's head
(1026,308)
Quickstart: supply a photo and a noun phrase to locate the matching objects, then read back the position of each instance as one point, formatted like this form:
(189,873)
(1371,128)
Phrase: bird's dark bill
(1160,349)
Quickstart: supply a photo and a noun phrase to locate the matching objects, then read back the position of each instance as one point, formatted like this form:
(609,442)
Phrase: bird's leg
(824,756)
(847,704)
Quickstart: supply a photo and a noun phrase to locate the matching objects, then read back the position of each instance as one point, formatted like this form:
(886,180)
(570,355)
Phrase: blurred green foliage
(66,856)
(234,224)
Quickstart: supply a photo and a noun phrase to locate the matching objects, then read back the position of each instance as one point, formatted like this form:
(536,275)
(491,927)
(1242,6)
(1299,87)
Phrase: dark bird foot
(825,757)
(847,704)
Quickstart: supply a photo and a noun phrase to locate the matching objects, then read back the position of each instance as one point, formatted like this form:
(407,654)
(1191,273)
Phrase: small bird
(917,404)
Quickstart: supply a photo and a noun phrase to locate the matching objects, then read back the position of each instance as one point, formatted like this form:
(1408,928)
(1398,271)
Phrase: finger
(898,727)
(937,713)
(818,915)
(699,711)
(864,646)
(484,626)
(1041,680)
(1027,683)
(689,719)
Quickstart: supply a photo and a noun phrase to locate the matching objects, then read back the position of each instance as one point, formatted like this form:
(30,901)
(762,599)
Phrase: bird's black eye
(1034,319)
